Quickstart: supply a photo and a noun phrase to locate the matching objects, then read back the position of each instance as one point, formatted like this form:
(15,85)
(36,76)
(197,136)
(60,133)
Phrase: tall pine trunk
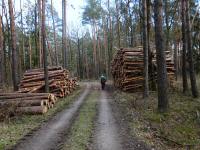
(14,47)
(40,34)
(54,34)
(118,23)
(44,48)
(190,53)
(2,77)
(160,58)
(184,70)
(64,34)
(145,50)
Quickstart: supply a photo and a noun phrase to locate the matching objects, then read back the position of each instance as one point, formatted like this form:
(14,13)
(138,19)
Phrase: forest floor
(95,119)
(179,128)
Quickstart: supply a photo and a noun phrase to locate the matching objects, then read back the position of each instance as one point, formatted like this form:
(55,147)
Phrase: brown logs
(59,82)
(28,103)
(35,110)
(31,99)
(128,67)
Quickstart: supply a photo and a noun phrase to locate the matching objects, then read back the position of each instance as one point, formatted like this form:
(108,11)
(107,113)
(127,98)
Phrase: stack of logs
(31,99)
(28,103)
(59,82)
(128,69)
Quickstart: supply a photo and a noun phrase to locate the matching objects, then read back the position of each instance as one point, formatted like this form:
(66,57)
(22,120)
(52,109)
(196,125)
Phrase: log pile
(28,103)
(127,69)
(59,82)
(128,66)
(169,65)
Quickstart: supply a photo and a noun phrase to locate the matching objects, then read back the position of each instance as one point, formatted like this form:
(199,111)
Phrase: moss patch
(82,129)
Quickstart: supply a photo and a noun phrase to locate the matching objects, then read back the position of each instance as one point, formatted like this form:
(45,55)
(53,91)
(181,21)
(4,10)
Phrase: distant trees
(91,15)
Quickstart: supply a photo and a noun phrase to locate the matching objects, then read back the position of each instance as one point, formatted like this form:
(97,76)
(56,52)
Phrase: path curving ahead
(51,134)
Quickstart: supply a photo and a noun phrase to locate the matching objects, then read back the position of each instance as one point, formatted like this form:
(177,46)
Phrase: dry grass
(179,128)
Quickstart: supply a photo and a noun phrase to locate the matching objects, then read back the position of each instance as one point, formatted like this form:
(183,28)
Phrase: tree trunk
(118,24)
(190,53)
(79,59)
(36,36)
(44,48)
(4,46)
(175,59)
(145,50)
(160,58)
(184,69)
(30,53)
(94,49)
(40,33)
(167,24)
(54,34)
(105,37)
(1,55)
(64,34)
(14,47)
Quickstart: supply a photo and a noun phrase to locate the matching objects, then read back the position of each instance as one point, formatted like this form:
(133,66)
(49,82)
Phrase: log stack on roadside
(128,67)
(31,99)
(59,82)
(28,103)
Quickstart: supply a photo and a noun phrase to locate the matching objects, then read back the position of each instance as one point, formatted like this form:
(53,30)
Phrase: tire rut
(50,135)
(106,135)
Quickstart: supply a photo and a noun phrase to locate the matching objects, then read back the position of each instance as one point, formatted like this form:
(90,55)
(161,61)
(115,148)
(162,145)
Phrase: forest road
(112,131)
(50,136)
(106,135)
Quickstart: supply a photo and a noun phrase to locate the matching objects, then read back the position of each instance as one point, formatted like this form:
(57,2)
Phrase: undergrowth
(179,128)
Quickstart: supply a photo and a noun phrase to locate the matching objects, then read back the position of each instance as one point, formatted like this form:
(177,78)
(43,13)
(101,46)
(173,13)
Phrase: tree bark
(145,50)
(118,24)
(36,35)
(64,34)
(190,53)
(94,49)
(2,77)
(167,24)
(54,34)
(44,48)
(175,59)
(160,58)
(184,69)
(30,53)
(40,34)
(14,48)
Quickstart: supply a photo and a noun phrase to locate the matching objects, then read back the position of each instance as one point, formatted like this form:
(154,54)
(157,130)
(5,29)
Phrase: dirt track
(111,130)
(50,135)
(106,137)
